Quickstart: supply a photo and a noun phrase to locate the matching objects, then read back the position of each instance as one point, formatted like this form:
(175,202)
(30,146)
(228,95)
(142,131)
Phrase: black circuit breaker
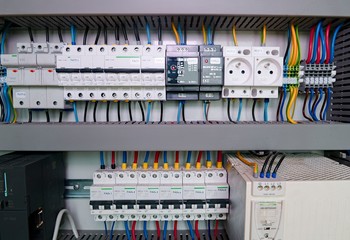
(183,77)
(212,68)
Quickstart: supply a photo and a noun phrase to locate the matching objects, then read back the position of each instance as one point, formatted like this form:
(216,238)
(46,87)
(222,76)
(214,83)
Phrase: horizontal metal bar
(191,136)
(77,188)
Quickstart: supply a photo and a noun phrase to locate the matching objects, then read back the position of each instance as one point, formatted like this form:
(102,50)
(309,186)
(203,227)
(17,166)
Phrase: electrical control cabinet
(31,194)
(284,208)
(153,195)
(182,72)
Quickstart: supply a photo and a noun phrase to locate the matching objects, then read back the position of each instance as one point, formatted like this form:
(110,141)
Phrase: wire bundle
(272,156)
(180,37)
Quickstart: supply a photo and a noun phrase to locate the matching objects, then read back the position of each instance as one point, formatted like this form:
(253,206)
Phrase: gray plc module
(182,72)
(212,67)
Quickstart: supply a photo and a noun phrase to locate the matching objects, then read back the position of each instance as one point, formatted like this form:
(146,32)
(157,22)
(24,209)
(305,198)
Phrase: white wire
(58,223)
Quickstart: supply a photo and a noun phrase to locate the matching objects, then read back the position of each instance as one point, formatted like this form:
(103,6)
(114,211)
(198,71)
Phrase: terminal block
(182,66)
(212,66)
(153,195)
(318,75)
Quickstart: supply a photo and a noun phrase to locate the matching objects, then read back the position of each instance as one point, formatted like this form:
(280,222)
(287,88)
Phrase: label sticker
(215,60)
(192,60)
(159,60)
(21,94)
(134,61)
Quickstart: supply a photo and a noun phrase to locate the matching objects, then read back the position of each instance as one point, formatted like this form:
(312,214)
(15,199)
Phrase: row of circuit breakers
(46,75)
(153,195)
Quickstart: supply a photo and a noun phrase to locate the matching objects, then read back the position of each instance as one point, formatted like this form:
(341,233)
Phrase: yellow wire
(293,93)
(234,35)
(295,46)
(295,100)
(251,164)
(11,102)
(264,35)
(204,34)
(176,33)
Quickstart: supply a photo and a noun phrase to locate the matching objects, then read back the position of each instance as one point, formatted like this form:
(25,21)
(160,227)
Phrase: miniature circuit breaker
(212,75)
(182,77)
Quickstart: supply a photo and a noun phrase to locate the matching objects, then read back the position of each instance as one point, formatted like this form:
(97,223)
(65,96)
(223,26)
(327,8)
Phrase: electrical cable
(111,234)
(191,229)
(319,46)
(133,229)
(234,35)
(30,32)
(240,107)
(228,110)
(209,231)
(13,110)
(213,32)
(72,31)
(158,229)
(329,98)
(262,172)
(185,32)
(60,117)
(30,116)
(97,35)
(286,54)
(188,161)
(183,112)
(102,160)
(85,35)
(145,161)
(107,110)
(179,112)
(207,112)
(177,38)
(328,47)
(199,158)
(283,101)
(161,112)
(136,159)
(248,163)
(208,163)
(318,102)
(219,160)
(130,112)
(105,34)
(263,36)
(142,111)
(298,45)
(148,31)
(149,106)
(125,34)
(160,37)
(127,231)
(58,223)
(136,33)
(2,108)
(95,110)
(106,230)
(304,105)
(335,34)
(313,110)
(145,232)
(266,109)
(268,171)
(310,101)
(292,103)
(175,230)
(180,33)
(279,106)
(274,173)
(75,112)
(47,32)
(116,34)
(314,52)
(209,35)
(165,230)
(113,160)
(47,113)
(59,32)
(253,109)
(216,230)
(85,110)
(156,160)
(177,161)
(204,34)
(125,160)
(311,40)
(165,160)
(118,110)
(196,230)
(323,44)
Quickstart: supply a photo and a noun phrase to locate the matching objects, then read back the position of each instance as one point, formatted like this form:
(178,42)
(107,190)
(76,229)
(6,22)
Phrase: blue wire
(282,104)
(179,112)
(205,110)
(240,109)
(149,106)
(266,108)
(72,32)
(208,156)
(149,41)
(209,35)
(6,103)
(127,231)
(289,50)
(111,235)
(317,103)
(336,31)
(146,157)
(310,101)
(106,231)
(125,157)
(75,112)
(165,228)
(313,59)
(145,233)
(191,230)
(323,44)
(189,155)
(165,157)
(209,231)
(324,115)
(102,159)
(180,34)
(3,38)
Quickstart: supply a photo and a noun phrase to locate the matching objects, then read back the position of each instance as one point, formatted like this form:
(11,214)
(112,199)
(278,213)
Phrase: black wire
(47,34)
(260,153)
(2,116)
(30,115)
(266,162)
(47,115)
(287,50)
(136,32)
(85,35)
(161,111)
(228,110)
(159,31)
(119,118)
(142,112)
(30,34)
(116,33)
(185,31)
(130,113)
(213,32)
(278,164)
(61,116)
(253,110)
(85,110)
(272,160)
(60,34)
(98,35)
(95,108)
(107,111)
(183,112)
(125,34)
(105,33)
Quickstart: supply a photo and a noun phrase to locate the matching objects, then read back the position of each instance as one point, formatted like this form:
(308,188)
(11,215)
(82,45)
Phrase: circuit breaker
(212,77)
(182,76)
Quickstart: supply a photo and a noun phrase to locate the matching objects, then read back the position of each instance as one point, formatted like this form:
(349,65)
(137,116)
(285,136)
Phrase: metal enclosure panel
(136,7)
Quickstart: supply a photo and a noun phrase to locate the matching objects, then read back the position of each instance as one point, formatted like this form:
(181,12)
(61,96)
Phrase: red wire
(177,157)
(216,229)
(133,230)
(199,158)
(156,157)
(328,48)
(175,230)
(158,229)
(311,41)
(219,156)
(113,158)
(318,58)
(136,156)
(196,230)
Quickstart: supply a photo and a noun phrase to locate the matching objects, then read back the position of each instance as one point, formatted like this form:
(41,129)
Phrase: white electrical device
(306,201)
